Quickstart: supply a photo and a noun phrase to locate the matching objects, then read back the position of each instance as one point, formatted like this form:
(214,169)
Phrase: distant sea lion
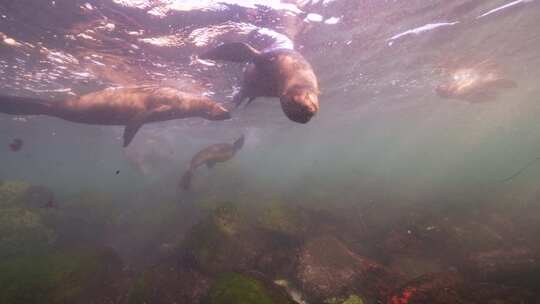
(16,144)
(209,156)
(474,85)
(129,107)
(277,72)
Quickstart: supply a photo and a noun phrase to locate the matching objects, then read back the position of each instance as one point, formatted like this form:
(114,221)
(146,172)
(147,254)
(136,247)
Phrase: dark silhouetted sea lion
(16,145)
(277,72)
(474,85)
(209,156)
(129,107)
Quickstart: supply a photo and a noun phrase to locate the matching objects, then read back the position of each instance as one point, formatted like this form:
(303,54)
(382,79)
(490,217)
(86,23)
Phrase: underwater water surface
(415,182)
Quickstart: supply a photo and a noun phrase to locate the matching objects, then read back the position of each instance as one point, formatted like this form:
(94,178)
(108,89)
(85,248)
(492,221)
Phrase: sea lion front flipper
(239,143)
(210,164)
(250,100)
(236,52)
(238,98)
(131,129)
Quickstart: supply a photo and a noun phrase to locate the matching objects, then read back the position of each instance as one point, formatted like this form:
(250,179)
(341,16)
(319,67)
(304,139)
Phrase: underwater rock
(440,288)
(280,218)
(505,265)
(85,275)
(11,192)
(215,244)
(328,269)
(166,283)
(226,241)
(23,231)
(38,197)
(234,288)
(353,299)
(499,294)
(412,266)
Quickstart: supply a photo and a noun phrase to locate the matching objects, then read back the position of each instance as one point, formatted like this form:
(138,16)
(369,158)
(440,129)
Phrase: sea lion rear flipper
(130,131)
(210,164)
(239,143)
(236,52)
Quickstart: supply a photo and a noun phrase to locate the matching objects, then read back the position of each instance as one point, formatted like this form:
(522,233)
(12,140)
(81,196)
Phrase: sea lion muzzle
(300,106)
(218,112)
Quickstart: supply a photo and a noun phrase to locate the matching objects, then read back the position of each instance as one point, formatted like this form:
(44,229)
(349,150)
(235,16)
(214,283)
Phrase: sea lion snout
(218,112)
(300,106)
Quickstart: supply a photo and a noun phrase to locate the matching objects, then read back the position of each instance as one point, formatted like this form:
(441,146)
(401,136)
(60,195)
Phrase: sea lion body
(474,86)
(278,72)
(209,156)
(130,107)
(217,153)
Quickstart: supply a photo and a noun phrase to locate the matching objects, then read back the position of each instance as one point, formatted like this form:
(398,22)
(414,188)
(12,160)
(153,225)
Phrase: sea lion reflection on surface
(209,156)
(474,84)
(129,107)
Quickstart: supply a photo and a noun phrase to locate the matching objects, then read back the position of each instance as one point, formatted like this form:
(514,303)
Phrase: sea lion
(16,144)
(129,107)
(474,85)
(209,156)
(277,72)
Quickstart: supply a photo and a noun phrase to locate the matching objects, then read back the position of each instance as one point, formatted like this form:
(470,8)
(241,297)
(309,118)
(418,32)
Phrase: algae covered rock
(280,218)
(327,269)
(352,299)
(443,288)
(23,231)
(240,289)
(78,276)
(165,283)
(225,241)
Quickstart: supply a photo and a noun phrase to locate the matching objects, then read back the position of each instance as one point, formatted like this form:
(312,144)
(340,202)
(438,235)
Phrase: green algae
(352,299)
(23,231)
(278,217)
(61,277)
(11,192)
(239,289)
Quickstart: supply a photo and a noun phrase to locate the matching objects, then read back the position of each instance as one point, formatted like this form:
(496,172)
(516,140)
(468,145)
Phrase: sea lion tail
(236,52)
(239,143)
(16,105)
(185,183)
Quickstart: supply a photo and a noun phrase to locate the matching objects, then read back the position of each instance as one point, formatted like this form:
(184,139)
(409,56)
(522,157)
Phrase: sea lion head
(300,103)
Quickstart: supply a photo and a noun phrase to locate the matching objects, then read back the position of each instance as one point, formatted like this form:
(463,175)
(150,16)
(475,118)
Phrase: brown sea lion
(278,72)
(474,85)
(209,156)
(129,107)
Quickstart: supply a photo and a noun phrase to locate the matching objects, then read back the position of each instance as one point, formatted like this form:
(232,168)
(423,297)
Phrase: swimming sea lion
(474,85)
(129,107)
(277,72)
(209,156)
